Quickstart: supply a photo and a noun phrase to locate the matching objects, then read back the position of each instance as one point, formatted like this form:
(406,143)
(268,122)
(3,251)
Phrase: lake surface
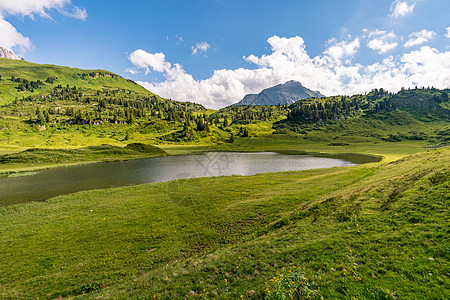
(49,183)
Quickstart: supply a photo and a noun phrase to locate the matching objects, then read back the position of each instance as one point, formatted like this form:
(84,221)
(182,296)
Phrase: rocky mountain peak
(283,94)
(6,53)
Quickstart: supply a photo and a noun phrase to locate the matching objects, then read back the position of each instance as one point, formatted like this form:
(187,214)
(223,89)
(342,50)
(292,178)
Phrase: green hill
(51,76)
(53,106)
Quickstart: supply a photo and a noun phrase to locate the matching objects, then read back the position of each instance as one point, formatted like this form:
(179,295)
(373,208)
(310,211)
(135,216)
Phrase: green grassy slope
(368,232)
(93,79)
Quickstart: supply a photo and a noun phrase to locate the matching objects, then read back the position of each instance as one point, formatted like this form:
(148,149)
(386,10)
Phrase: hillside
(416,114)
(366,232)
(281,94)
(72,117)
(30,79)
(52,106)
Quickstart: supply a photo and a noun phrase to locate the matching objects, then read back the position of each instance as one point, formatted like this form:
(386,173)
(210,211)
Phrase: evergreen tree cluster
(26,85)
(243,132)
(324,109)
(83,106)
(339,107)
(51,79)
(247,114)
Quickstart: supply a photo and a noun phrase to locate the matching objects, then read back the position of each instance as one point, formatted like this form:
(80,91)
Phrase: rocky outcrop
(6,53)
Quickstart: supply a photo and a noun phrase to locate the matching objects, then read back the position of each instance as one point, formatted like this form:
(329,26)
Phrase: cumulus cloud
(447,35)
(10,37)
(202,47)
(338,51)
(145,60)
(331,73)
(420,37)
(381,41)
(401,8)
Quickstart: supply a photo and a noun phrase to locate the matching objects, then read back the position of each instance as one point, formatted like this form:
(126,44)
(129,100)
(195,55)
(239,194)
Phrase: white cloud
(447,35)
(343,49)
(77,13)
(145,60)
(401,8)
(10,37)
(289,60)
(381,41)
(132,71)
(31,7)
(420,37)
(203,47)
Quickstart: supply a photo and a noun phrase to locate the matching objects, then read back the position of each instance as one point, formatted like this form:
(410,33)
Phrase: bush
(144,148)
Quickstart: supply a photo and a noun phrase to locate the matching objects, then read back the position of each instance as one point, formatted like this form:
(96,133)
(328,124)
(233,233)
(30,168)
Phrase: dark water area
(45,184)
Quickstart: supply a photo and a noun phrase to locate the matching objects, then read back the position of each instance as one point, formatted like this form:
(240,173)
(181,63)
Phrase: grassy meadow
(375,231)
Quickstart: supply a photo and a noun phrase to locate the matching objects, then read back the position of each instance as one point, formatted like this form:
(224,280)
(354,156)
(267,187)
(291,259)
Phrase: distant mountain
(6,53)
(282,94)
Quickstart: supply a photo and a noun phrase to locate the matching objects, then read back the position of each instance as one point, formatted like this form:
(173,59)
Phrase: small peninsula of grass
(36,158)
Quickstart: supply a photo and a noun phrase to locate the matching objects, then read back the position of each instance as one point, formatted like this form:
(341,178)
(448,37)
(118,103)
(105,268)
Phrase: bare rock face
(6,53)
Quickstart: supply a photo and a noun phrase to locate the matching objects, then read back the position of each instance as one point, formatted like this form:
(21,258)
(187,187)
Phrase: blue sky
(214,52)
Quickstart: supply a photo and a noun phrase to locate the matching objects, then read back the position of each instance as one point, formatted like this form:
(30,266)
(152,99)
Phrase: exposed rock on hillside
(6,53)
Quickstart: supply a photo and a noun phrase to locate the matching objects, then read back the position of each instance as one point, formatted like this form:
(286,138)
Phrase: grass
(356,232)
(65,76)
(38,158)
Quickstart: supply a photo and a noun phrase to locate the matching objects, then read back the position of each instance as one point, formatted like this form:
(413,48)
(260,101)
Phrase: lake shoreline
(41,186)
(27,167)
